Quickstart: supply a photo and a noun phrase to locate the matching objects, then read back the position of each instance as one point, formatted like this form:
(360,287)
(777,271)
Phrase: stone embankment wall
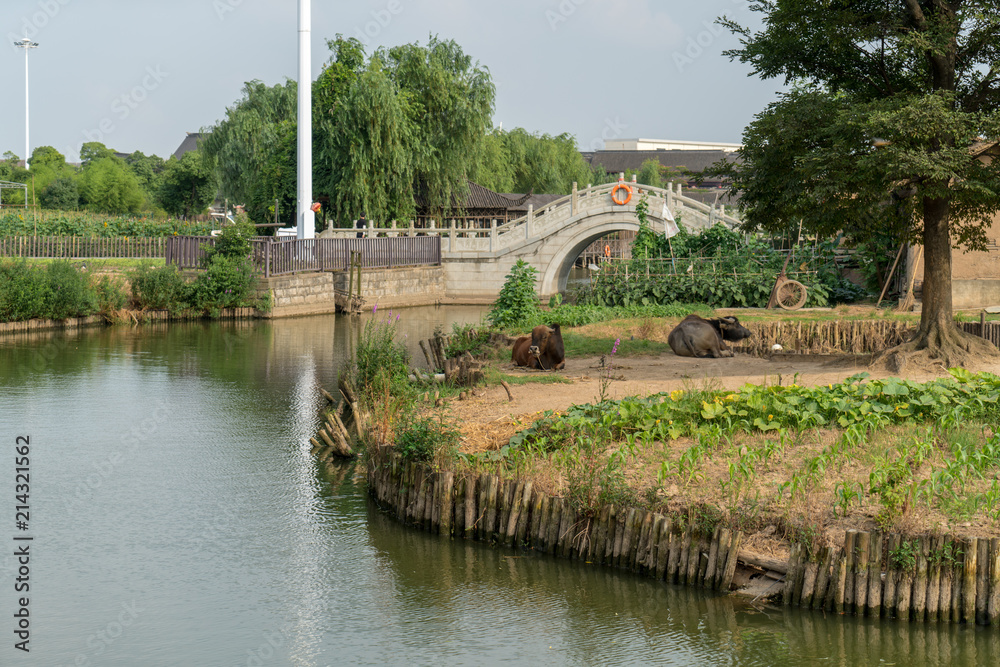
(96,320)
(923,578)
(315,293)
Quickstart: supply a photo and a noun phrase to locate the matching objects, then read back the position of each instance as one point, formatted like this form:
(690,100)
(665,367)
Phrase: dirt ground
(641,376)
(488,419)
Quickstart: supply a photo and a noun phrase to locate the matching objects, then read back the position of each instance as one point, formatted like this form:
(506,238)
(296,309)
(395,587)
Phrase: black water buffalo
(542,349)
(697,337)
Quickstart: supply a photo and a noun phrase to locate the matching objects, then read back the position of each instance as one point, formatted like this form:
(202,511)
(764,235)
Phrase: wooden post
(794,562)
(731,557)
(874,597)
(918,601)
(552,535)
(969,575)
(663,550)
(850,546)
(713,557)
(934,576)
(684,555)
(993,606)
(826,557)
(861,558)
(724,540)
(983,582)
(524,510)
(838,584)
(674,555)
(447,503)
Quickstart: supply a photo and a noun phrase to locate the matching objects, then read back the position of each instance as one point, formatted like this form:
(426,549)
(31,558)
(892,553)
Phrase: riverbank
(906,466)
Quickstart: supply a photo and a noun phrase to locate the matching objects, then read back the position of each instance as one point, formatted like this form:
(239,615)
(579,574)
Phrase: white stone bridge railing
(460,237)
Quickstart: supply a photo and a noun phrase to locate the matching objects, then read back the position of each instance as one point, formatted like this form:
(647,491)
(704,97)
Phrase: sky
(140,74)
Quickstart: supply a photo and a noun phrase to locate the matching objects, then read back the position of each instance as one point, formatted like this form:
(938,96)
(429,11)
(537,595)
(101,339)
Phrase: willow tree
(242,144)
(894,104)
(367,149)
(450,107)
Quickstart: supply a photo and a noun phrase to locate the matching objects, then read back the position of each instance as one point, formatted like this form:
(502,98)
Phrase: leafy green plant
(381,362)
(159,287)
(517,301)
(425,437)
(23,292)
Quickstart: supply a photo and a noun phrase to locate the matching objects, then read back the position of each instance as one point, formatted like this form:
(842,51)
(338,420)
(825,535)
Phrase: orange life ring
(628,196)
(607,250)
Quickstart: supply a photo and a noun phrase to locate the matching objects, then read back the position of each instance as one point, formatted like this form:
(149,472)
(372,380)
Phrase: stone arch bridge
(476,261)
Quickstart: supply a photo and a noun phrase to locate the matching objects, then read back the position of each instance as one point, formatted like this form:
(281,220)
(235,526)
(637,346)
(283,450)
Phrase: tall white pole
(304,214)
(27,144)
(26,44)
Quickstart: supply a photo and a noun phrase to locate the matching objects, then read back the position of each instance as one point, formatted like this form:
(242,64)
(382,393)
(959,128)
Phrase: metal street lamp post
(26,44)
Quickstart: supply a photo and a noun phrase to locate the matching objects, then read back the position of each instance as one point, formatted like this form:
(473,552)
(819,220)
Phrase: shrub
(228,282)
(517,300)
(62,194)
(68,293)
(425,437)
(161,287)
(233,241)
(111,294)
(22,293)
(381,364)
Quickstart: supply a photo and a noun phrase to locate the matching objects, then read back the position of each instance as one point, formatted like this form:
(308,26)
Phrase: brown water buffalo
(542,349)
(697,337)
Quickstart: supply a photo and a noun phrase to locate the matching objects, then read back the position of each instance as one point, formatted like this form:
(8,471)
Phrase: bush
(425,437)
(158,288)
(233,241)
(111,294)
(22,293)
(517,300)
(62,194)
(228,282)
(68,294)
(381,364)
(55,292)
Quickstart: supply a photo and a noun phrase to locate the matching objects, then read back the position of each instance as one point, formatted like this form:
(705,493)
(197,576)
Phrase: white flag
(670,227)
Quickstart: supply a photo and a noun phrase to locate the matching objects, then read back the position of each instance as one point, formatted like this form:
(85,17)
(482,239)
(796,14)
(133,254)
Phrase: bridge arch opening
(557,272)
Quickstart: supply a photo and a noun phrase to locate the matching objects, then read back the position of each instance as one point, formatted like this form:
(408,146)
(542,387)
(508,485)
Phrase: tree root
(936,349)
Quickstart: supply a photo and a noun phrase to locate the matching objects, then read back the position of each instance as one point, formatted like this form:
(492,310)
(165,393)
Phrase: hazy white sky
(138,74)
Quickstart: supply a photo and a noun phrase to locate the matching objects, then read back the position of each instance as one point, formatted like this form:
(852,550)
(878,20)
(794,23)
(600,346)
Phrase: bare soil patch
(488,420)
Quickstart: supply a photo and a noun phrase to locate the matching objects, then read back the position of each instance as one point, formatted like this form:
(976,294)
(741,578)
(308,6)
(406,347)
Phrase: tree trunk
(938,341)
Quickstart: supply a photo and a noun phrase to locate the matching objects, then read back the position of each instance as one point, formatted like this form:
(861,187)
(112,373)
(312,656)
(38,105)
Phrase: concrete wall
(314,293)
(410,286)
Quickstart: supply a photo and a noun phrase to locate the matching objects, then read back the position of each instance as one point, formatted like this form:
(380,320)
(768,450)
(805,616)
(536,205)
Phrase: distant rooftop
(667,145)
(190,143)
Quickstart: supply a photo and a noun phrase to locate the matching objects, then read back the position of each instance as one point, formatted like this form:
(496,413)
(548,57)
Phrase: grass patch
(494,376)
(582,345)
(109,263)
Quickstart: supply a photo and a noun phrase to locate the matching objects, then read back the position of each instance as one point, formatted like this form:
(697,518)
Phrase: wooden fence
(275,257)
(936,578)
(70,247)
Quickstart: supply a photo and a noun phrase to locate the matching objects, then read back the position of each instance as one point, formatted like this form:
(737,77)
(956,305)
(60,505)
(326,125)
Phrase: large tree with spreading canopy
(888,125)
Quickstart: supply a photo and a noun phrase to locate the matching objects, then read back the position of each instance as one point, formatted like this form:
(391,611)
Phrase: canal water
(178,518)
